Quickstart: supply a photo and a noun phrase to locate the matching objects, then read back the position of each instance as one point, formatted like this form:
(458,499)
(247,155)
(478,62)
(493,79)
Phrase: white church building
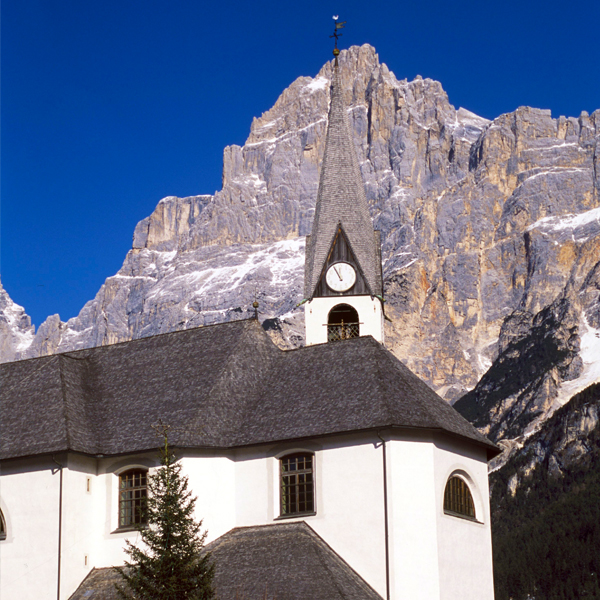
(330,471)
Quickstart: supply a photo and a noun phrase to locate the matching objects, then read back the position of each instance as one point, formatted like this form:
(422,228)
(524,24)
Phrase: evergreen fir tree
(169,565)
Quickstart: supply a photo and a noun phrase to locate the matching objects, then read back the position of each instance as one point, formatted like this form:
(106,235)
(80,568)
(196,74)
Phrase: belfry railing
(342,331)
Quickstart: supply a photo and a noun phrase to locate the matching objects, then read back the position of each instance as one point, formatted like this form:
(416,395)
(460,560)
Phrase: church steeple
(341,202)
(342,277)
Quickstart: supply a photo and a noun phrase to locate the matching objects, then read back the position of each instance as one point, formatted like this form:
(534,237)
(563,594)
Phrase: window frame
(137,502)
(282,486)
(469,499)
(3,530)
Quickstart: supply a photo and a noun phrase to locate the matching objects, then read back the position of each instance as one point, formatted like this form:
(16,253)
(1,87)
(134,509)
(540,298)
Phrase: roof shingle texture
(221,386)
(341,200)
(286,561)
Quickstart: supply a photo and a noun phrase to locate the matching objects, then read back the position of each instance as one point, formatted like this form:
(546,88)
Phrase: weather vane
(336,35)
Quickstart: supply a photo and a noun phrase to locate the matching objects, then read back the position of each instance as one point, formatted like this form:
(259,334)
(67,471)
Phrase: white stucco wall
(414,573)
(350,507)
(212,480)
(432,555)
(29,554)
(370,316)
(81,526)
(465,547)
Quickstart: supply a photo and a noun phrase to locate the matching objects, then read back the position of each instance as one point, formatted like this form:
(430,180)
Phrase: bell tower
(342,276)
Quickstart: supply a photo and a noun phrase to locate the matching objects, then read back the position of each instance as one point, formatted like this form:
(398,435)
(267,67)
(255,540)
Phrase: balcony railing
(342,331)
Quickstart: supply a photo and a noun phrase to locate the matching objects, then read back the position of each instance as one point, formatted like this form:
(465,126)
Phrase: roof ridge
(233,351)
(63,389)
(220,376)
(396,362)
(69,353)
(49,358)
(318,553)
(264,383)
(262,526)
(475,436)
(355,340)
(380,380)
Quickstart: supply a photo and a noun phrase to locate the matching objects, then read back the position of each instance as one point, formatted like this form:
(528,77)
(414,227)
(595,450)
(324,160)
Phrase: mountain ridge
(485,225)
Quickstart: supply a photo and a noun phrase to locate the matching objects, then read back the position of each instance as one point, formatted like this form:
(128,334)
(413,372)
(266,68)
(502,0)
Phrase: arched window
(297,484)
(342,323)
(2,526)
(133,490)
(458,500)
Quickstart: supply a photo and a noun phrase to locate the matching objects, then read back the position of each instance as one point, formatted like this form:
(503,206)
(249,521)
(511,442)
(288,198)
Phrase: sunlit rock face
(16,331)
(490,232)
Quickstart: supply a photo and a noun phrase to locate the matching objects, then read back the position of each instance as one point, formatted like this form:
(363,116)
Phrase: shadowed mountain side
(546,508)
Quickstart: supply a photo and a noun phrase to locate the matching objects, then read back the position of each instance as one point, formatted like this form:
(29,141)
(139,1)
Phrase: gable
(341,251)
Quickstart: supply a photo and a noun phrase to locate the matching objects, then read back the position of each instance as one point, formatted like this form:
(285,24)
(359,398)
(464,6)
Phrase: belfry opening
(342,323)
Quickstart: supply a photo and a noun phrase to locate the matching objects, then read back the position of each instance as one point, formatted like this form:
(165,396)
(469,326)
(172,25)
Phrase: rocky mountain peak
(16,331)
(488,229)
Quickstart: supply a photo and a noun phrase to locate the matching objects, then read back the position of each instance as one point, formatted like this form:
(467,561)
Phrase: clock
(340,277)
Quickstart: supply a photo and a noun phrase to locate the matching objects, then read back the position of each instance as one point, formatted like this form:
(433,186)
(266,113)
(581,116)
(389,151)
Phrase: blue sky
(109,106)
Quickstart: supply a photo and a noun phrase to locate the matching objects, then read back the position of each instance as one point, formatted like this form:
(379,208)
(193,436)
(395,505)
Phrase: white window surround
(3,526)
(316,312)
(114,472)
(276,475)
(133,493)
(475,494)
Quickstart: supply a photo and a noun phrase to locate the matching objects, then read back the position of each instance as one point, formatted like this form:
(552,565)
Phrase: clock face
(340,277)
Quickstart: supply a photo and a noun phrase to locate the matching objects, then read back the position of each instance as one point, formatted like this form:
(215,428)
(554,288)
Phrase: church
(325,472)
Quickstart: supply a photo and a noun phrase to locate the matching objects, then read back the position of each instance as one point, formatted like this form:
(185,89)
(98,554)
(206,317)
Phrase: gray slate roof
(220,386)
(99,585)
(341,199)
(286,561)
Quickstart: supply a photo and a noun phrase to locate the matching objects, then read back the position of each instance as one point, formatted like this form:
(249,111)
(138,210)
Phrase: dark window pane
(297,493)
(458,499)
(132,497)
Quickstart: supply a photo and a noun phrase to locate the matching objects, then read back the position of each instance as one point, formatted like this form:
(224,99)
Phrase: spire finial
(336,35)
(255,303)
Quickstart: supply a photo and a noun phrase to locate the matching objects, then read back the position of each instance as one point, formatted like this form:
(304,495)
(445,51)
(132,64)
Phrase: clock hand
(338,273)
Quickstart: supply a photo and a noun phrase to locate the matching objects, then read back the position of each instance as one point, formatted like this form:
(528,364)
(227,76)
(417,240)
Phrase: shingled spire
(341,203)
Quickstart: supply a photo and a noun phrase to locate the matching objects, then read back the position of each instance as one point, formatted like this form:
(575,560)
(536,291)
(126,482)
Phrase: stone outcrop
(490,232)
(570,438)
(16,331)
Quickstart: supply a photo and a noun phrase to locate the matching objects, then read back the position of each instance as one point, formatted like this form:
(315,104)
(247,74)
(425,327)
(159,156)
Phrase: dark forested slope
(546,509)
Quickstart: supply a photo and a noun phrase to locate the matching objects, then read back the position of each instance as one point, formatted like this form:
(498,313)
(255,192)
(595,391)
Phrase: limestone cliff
(16,331)
(490,230)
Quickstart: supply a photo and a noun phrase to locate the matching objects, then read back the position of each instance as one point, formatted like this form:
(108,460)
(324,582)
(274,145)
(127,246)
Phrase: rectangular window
(297,485)
(132,498)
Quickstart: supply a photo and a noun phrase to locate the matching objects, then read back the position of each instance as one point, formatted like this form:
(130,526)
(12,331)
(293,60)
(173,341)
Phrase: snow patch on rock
(590,355)
(319,83)
(552,224)
(16,330)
